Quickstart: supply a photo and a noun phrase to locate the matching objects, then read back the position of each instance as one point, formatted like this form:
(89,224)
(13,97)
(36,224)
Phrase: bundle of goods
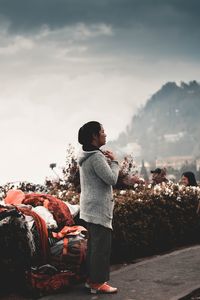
(57,207)
(46,279)
(16,249)
(63,265)
(57,247)
(69,249)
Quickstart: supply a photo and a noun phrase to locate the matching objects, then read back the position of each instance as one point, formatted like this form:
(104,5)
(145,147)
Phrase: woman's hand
(109,154)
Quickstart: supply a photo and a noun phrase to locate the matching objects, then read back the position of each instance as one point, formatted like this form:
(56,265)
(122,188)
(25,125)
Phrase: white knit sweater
(97,177)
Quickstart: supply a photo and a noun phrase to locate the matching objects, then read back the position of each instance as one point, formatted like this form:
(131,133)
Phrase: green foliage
(147,220)
(151,220)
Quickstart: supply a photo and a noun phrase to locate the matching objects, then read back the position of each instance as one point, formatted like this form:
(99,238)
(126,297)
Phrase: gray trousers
(98,253)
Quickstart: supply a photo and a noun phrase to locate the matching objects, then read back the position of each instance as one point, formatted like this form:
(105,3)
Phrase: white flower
(122,192)
(139,200)
(60,194)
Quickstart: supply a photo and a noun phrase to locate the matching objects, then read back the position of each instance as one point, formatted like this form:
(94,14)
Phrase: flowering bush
(71,170)
(23,186)
(55,189)
(149,220)
(128,174)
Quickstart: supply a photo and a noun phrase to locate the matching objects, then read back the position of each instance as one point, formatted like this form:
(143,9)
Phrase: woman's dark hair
(191,178)
(86,132)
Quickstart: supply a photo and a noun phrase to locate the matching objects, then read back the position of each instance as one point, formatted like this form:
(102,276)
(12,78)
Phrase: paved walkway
(165,277)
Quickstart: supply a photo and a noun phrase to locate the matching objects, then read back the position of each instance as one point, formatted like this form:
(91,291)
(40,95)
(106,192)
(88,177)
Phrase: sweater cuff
(115,161)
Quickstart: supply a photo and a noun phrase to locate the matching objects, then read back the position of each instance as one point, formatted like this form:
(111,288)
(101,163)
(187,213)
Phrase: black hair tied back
(86,132)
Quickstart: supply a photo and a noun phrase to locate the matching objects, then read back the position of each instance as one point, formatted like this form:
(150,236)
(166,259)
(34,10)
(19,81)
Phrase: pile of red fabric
(57,207)
(59,254)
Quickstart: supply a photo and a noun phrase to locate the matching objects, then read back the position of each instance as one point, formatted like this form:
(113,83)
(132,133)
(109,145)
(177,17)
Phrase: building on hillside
(198,164)
(176,162)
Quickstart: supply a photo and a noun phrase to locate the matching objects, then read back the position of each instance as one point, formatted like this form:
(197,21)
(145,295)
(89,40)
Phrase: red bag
(42,283)
(70,250)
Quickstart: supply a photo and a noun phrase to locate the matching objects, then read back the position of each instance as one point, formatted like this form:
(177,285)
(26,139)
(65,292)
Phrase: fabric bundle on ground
(66,263)
(60,210)
(16,247)
(70,249)
(46,279)
(41,243)
(40,236)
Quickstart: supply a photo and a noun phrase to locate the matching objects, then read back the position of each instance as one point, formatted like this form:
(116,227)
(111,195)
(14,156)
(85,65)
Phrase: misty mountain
(168,125)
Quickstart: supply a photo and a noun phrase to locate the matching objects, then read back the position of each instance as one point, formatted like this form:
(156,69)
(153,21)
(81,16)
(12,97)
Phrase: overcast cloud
(65,62)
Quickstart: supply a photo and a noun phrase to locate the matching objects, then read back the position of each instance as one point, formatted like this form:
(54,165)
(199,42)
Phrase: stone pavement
(164,277)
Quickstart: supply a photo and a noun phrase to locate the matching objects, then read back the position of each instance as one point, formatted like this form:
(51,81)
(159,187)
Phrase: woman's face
(101,139)
(184,180)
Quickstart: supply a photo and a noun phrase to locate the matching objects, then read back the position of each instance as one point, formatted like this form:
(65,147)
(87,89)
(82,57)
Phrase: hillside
(168,125)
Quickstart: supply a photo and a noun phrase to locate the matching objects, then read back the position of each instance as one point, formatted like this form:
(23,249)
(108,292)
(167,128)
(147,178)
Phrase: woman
(98,172)
(188,179)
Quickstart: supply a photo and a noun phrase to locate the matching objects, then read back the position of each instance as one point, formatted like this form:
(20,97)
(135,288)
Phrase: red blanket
(57,207)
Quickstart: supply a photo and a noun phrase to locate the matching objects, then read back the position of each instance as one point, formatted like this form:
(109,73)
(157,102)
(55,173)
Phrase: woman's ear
(95,140)
(94,137)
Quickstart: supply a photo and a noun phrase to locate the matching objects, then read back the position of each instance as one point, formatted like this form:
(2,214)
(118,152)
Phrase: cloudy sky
(65,62)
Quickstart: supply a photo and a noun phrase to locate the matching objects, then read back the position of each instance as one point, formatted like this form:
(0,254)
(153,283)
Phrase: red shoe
(102,288)
(88,283)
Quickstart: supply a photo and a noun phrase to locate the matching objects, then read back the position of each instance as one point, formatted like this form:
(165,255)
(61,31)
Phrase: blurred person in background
(188,179)
(159,176)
